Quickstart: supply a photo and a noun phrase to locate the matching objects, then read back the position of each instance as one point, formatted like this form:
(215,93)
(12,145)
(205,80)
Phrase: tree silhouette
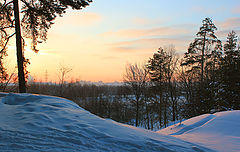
(202,60)
(37,18)
(200,50)
(159,67)
(230,77)
(136,78)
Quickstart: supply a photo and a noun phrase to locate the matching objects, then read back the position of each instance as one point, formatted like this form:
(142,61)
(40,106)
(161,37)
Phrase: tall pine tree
(159,72)
(200,59)
(230,77)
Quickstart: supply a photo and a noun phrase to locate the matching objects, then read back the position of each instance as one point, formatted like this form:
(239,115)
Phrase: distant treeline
(116,102)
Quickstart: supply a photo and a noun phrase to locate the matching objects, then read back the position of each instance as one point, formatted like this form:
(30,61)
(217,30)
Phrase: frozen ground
(219,131)
(42,123)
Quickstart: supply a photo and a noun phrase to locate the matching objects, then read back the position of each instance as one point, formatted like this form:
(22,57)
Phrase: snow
(219,131)
(43,123)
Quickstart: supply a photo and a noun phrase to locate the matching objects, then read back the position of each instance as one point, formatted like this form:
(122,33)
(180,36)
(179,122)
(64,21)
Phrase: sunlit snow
(219,131)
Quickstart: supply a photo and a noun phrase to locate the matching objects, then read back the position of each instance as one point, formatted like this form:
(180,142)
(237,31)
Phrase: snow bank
(42,123)
(219,131)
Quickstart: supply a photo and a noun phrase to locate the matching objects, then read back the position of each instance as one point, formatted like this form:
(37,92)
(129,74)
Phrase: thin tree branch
(5,5)
(5,1)
(26,3)
(4,47)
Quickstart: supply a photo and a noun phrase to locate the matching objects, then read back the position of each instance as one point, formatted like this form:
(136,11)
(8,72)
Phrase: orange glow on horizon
(98,41)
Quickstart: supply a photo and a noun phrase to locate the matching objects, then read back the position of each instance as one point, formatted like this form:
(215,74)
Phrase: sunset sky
(98,41)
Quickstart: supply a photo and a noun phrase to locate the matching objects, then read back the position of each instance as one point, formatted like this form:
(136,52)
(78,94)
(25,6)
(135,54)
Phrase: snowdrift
(219,131)
(42,123)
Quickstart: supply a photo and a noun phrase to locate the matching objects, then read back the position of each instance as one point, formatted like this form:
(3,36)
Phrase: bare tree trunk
(174,110)
(165,112)
(203,54)
(160,111)
(148,117)
(20,58)
(137,111)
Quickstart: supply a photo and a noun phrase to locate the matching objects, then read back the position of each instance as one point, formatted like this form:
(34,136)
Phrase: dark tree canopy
(158,66)
(202,61)
(38,16)
(230,77)
(202,48)
(231,48)
(161,69)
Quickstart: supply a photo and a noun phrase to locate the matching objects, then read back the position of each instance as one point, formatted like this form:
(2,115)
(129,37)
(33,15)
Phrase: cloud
(136,33)
(80,18)
(230,23)
(151,44)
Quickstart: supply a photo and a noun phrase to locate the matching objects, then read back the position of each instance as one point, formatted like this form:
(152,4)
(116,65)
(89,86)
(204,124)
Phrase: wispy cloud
(230,23)
(136,33)
(143,45)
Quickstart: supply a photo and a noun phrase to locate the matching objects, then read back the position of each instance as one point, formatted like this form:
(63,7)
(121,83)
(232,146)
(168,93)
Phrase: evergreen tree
(230,77)
(200,50)
(202,58)
(37,18)
(212,79)
(159,72)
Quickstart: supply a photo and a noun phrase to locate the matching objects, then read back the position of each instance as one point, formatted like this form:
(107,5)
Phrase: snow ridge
(219,131)
(200,123)
(30,123)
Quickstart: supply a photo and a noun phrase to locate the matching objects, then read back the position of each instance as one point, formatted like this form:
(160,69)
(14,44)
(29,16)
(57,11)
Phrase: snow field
(219,131)
(43,123)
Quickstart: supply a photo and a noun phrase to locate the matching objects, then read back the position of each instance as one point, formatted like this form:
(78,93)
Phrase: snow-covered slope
(42,123)
(219,131)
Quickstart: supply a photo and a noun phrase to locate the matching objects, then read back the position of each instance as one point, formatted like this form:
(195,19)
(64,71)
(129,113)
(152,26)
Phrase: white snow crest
(219,131)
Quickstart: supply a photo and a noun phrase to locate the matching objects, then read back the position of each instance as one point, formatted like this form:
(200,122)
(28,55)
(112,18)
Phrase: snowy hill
(219,131)
(42,123)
